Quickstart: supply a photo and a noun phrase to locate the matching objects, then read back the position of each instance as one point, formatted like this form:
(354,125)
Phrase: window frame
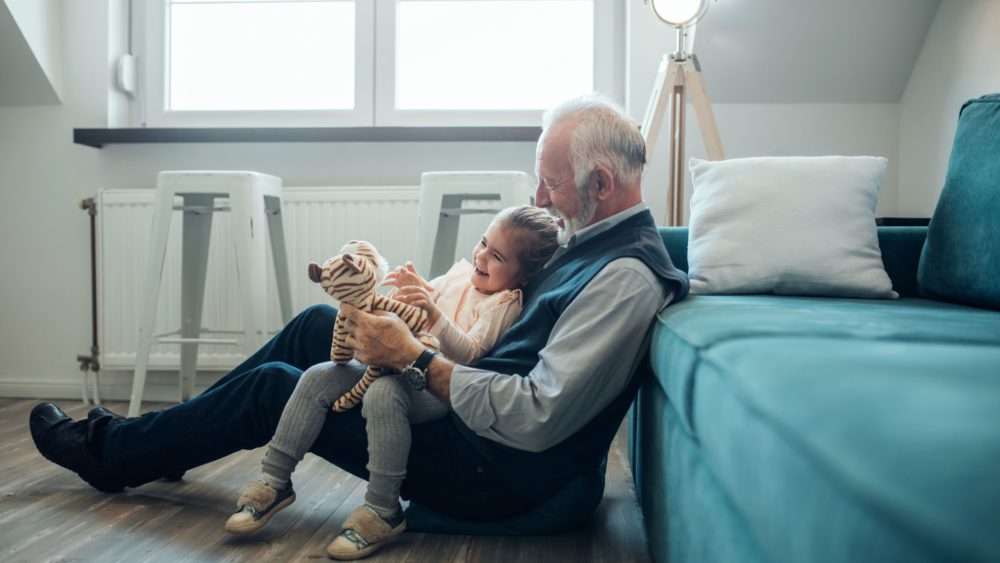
(374,78)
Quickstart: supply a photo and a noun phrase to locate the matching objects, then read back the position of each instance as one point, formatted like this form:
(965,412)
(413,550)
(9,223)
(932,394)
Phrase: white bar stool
(254,201)
(441,197)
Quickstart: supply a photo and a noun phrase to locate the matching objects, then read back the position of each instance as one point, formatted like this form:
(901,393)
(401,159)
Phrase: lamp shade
(679,13)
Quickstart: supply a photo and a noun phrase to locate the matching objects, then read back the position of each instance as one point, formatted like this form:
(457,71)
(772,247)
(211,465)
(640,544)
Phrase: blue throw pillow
(961,257)
(567,509)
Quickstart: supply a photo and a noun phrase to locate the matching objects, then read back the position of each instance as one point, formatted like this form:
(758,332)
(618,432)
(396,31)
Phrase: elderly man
(538,410)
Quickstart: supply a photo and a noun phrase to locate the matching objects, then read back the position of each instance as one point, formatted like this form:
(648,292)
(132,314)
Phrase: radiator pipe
(90,362)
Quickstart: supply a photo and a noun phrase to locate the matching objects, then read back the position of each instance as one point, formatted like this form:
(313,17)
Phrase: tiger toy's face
(351,276)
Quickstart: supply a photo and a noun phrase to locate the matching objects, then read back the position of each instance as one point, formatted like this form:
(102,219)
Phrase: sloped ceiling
(23,77)
(811,51)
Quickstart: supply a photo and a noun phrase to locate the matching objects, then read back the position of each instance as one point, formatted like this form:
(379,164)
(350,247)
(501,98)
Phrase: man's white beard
(586,206)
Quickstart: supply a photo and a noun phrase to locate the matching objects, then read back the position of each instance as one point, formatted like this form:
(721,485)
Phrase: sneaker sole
(372,548)
(254,525)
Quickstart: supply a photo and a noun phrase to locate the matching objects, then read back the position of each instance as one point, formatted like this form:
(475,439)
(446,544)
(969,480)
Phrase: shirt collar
(591,231)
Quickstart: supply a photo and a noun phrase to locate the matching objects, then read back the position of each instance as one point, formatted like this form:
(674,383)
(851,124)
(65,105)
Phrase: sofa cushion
(685,330)
(802,225)
(856,449)
(961,258)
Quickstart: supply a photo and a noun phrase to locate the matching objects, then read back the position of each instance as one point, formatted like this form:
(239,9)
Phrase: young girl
(468,308)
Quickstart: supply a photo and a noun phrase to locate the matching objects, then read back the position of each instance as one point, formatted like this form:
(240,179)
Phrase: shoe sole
(254,525)
(372,548)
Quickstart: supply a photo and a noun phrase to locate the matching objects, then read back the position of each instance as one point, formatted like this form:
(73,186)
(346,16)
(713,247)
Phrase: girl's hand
(419,297)
(406,276)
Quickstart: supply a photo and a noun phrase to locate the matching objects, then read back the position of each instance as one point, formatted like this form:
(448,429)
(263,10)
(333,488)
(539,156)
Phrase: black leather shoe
(101,412)
(64,442)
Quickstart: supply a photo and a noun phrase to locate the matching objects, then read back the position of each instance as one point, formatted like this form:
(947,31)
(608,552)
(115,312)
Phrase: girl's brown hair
(536,232)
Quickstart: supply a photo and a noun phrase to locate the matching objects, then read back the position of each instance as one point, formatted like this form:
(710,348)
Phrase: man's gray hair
(604,134)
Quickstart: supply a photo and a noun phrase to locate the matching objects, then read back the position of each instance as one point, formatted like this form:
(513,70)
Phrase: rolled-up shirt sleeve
(592,351)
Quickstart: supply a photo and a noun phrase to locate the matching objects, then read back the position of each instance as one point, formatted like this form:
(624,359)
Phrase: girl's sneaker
(365,531)
(256,505)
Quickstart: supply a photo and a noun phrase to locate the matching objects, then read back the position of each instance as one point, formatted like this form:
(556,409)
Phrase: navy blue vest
(540,474)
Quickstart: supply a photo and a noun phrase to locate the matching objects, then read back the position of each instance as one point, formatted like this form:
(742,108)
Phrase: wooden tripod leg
(675,167)
(659,101)
(703,109)
(674,82)
(669,77)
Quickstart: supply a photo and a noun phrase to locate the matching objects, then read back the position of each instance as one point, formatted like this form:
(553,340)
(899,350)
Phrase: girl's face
(495,262)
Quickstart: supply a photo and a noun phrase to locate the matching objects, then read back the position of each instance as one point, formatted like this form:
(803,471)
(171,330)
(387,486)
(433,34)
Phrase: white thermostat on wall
(126,74)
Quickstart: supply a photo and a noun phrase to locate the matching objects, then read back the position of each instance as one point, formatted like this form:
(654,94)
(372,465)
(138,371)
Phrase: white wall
(960,60)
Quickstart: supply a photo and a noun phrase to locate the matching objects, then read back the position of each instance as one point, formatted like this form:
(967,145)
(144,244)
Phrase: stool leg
(154,271)
(446,241)
(518,193)
(428,219)
(279,256)
(83,388)
(248,223)
(194,268)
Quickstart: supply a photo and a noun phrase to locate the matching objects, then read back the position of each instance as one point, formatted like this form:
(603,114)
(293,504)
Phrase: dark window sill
(99,137)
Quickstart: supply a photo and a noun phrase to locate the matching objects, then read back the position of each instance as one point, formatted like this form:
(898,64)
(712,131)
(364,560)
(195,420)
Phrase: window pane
(261,55)
(484,55)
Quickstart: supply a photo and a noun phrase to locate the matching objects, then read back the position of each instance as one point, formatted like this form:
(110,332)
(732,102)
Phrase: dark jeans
(241,411)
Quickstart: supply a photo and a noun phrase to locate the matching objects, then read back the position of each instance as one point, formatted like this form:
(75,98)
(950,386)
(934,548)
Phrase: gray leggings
(389,407)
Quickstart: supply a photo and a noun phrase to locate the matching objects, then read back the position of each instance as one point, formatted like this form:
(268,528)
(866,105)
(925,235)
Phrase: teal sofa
(809,429)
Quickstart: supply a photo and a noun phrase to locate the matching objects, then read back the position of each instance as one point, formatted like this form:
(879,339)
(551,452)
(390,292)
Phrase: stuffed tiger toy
(351,277)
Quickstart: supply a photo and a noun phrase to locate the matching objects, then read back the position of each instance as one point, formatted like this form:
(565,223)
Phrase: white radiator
(317,222)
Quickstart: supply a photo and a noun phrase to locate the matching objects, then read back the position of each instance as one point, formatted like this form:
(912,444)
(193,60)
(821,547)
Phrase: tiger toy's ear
(351,262)
(315,272)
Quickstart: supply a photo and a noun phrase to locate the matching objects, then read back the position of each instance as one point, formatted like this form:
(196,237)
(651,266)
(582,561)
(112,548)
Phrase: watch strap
(424,359)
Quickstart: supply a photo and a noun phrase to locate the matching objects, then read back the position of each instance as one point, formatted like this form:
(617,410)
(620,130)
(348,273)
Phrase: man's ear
(602,182)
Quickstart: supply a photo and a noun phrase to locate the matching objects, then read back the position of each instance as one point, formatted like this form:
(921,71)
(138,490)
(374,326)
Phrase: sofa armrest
(676,241)
(900,246)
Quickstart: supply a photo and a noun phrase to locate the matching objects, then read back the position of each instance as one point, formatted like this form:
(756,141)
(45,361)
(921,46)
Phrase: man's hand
(380,338)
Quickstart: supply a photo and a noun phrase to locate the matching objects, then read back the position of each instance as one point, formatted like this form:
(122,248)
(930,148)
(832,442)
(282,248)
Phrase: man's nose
(542,195)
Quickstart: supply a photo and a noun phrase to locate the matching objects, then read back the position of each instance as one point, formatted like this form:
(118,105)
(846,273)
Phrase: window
(348,63)
(217,60)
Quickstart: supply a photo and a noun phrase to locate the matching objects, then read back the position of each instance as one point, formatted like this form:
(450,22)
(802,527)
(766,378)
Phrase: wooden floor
(49,514)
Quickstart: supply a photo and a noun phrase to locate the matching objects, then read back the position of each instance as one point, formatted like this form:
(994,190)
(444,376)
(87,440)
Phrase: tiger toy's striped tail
(350,399)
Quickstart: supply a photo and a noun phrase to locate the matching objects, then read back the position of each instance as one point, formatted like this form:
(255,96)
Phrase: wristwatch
(415,374)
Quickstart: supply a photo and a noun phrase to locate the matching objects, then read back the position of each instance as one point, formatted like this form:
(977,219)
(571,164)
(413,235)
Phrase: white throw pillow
(787,225)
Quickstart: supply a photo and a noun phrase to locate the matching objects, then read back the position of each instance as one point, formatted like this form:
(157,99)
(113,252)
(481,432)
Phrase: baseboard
(114,386)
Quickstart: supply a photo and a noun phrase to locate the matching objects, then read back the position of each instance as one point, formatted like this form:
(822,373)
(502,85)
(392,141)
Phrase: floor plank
(49,514)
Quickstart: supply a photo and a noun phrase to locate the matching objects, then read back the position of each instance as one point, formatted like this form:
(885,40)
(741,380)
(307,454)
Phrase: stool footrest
(453,211)
(179,340)
(201,208)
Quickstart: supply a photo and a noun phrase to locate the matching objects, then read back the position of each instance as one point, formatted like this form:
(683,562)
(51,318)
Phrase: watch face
(414,378)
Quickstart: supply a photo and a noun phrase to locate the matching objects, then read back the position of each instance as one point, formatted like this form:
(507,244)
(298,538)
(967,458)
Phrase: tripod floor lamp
(678,77)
